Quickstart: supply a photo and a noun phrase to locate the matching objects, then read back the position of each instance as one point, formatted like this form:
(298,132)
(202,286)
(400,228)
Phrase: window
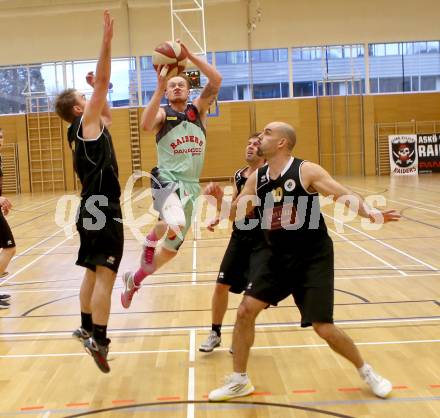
(13,82)
(340,67)
(406,66)
(233,66)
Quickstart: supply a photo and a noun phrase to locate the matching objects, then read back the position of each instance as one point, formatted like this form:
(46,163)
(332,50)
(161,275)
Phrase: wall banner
(403,155)
(428,152)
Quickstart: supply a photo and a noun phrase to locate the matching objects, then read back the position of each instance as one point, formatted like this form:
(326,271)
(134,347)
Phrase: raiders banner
(403,155)
(428,152)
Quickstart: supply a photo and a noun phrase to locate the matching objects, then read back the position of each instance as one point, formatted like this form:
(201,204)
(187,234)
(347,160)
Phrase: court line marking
(402,204)
(25,267)
(192,346)
(38,243)
(191,393)
(191,374)
(11,276)
(389,246)
(212,283)
(148,331)
(31,207)
(368,252)
(121,353)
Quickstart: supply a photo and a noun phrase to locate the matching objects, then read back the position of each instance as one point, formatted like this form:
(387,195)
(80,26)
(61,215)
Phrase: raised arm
(211,90)
(316,179)
(153,115)
(106,115)
(95,106)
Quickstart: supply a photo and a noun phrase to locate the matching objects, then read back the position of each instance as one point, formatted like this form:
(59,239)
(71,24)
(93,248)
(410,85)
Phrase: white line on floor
(391,247)
(368,252)
(191,392)
(186,329)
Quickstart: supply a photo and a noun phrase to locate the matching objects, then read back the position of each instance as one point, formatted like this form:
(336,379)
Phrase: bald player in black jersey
(297,257)
(99,221)
(234,266)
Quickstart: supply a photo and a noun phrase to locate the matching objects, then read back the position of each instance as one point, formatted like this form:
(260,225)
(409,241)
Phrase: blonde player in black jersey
(298,256)
(99,221)
(232,276)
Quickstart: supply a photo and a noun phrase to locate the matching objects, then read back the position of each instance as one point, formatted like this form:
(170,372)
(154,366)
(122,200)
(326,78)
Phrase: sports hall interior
(387,281)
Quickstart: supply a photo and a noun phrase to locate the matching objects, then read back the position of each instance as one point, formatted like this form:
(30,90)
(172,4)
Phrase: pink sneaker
(129,289)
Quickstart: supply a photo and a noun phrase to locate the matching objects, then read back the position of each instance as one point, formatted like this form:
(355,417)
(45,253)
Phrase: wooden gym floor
(387,299)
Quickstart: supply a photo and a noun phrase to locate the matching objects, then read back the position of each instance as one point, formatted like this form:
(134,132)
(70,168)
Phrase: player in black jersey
(298,256)
(7,242)
(234,266)
(7,246)
(99,221)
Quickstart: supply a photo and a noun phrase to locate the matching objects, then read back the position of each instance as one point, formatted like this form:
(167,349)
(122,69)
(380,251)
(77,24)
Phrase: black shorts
(6,237)
(101,237)
(235,264)
(305,271)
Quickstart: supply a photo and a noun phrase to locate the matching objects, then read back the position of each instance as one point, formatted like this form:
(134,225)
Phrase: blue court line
(226,406)
(369,401)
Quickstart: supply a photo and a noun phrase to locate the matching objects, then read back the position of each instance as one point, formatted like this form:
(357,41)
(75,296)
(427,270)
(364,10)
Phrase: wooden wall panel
(227,134)
(14,129)
(301,114)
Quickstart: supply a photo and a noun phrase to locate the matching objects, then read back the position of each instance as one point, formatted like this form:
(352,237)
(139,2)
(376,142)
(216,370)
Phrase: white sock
(363,370)
(240,377)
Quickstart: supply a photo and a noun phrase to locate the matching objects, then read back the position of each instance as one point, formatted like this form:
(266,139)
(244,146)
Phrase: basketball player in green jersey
(180,129)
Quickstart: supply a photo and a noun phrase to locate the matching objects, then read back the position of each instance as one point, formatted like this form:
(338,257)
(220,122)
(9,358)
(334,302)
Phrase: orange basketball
(172,54)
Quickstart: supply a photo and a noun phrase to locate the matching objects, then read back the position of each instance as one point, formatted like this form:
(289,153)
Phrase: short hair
(255,135)
(64,105)
(185,77)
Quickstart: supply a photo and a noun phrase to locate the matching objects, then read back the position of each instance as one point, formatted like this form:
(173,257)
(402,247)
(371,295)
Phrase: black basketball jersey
(287,211)
(240,180)
(95,163)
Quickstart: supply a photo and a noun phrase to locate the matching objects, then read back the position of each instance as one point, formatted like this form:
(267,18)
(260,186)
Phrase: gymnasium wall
(228,133)
(43,34)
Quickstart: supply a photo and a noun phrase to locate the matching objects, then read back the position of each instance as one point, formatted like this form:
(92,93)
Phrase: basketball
(172,54)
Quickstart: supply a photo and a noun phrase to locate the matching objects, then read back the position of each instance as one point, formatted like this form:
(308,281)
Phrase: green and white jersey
(181,145)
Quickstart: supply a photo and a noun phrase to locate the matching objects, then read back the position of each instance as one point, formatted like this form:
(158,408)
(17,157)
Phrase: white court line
(37,244)
(120,353)
(205,328)
(420,203)
(35,260)
(391,247)
(280,347)
(159,285)
(191,392)
(369,253)
(194,254)
(41,256)
(192,345)
(31,207)
(407,204)
(191,374)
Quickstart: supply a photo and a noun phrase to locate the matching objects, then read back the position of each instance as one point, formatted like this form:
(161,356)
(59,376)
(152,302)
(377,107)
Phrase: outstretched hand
(90,78)
(383,217)
(5,205)
(184,48)
(162,71)
(108,26)
(213,223)
(213,189)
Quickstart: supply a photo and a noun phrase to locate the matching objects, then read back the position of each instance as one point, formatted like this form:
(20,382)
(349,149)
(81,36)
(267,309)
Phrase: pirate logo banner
(403,155)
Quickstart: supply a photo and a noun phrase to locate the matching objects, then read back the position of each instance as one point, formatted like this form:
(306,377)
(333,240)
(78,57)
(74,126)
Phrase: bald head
(284,130)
